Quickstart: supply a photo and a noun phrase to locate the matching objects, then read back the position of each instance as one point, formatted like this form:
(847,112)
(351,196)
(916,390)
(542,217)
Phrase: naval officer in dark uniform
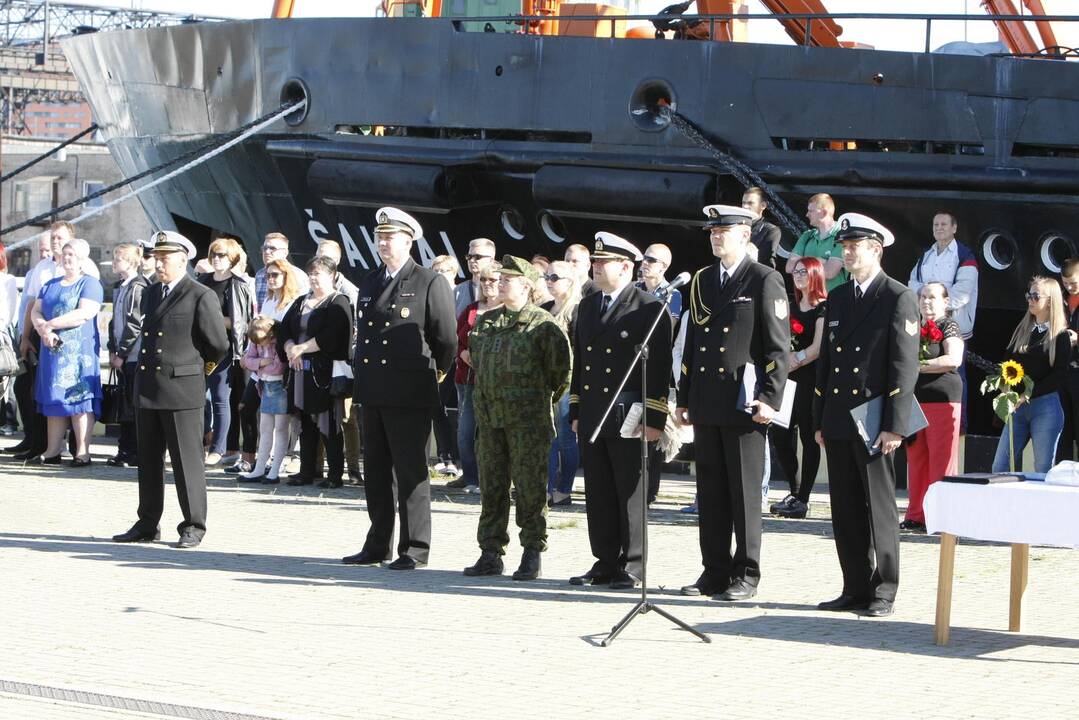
(870,350)
(406,339)
(611,323)
(737,317)
(183,340)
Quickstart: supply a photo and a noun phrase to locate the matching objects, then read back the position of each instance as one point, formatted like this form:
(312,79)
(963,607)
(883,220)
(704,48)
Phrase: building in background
(56,120)
(78,170)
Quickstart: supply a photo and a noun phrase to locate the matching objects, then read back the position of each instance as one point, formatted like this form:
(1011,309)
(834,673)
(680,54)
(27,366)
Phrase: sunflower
(1011,372)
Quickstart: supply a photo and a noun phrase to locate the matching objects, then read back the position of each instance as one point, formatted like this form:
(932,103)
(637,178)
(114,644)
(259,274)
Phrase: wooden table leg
(942,630)
(1020,566)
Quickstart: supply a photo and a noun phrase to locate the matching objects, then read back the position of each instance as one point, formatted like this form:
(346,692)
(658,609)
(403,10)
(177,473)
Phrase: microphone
(678,282)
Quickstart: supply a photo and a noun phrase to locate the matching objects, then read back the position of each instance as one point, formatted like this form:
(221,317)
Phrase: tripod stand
(644,605)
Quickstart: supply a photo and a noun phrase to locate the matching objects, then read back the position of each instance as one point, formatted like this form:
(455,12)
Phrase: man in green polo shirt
(819,241)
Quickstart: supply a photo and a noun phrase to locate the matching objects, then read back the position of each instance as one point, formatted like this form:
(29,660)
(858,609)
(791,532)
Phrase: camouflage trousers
(517,455)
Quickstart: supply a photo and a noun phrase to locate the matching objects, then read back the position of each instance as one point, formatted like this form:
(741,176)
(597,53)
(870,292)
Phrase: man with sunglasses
(481,253)
(275,247)
(657,258)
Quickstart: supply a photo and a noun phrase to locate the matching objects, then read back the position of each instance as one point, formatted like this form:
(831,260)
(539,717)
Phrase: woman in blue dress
(68,383)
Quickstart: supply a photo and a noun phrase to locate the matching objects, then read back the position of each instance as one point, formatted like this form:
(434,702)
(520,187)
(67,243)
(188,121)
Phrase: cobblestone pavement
(262,620)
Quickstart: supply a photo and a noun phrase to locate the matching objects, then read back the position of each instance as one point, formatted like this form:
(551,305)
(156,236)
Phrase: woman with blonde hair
(565,287)
(237,306)
(445,434)
(1042,346)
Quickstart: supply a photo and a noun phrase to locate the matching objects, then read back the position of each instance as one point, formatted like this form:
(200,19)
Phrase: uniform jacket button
(855,370)
(722,370)
(587,368)
(854,391)
(702,348)
(585,387)
(723,349)
(146,334)
(608,371)
(702,368)
(385,342)
(365,361)
(367,341)
(835,391)
(838,348)
(142,367)
(726,329)
(606,390)
(383,361)
(159,351)
(144,351)
(608,350)
(857,349)
(589,348)
(160,334)
(707,329)
(157,368)
(836,369)
(370,323)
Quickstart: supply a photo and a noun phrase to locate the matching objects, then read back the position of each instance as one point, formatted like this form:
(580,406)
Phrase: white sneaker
(451,469)
(472,489)
(213,459)
(440,467)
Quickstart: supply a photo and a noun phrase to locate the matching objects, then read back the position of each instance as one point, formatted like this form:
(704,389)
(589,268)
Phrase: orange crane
(1014,33)
(822,33)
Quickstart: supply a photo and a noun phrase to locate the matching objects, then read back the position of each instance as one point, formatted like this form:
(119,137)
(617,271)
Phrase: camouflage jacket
(522,364)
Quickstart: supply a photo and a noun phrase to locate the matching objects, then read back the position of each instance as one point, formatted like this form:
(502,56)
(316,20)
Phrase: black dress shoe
(406,562)
(303,476)
(42,460)
(363,557)
(704,586)
(267,480)
(490,563)
(26,455)
(355,477)
(912,526)
(298,481)
(245,478)
(739,590)
(843,603)
(625,581)
(135,535)
(17,448)
(879,608)
(120,461)
(188,540)
(592,577)
(332,484)
(78,462)
(530,566)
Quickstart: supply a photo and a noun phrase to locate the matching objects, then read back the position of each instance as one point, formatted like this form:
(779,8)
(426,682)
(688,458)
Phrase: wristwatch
(800,356)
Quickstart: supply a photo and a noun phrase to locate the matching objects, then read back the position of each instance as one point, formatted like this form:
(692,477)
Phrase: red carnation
(925,331)
(796,327)
(935,334)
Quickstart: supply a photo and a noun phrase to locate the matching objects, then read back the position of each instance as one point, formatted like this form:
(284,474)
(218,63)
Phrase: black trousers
(127,445)
(864,519)
(1069,400)
(786,444)
(613,497)
(310,435)
(180,431)
(395,479)
(237,385)
(445,427)
(730,466)
(249,416)
(33,422)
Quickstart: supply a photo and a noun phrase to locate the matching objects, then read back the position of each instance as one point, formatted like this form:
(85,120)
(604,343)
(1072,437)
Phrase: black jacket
(406,338)
(183,339)
(330,325)
(870,349)
(747,322)
(241,300)
(132,314)
(602,352)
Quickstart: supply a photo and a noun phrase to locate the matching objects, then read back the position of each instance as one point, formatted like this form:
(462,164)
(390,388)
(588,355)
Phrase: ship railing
(807,20)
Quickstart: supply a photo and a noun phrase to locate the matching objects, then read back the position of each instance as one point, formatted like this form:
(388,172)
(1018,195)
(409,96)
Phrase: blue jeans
(221,408)
(565,456)
(466,434)
(1039,421)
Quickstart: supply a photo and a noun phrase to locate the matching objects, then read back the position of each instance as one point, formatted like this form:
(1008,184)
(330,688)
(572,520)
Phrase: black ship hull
(540,141)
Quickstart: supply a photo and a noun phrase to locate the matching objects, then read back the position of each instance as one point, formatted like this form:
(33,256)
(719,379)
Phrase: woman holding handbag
(315,331)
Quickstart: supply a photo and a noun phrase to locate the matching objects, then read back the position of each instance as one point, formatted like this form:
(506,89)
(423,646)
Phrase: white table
(1019,513)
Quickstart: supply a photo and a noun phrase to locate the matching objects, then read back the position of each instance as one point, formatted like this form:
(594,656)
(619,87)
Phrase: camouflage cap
(516,267)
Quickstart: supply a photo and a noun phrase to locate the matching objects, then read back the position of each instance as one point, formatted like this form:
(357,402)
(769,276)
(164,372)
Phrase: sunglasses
(275,274)
(218,255)
(488,280)
(272,248)
(1035,297)
(801,272)
(651,259)
(552,278)
(473,256)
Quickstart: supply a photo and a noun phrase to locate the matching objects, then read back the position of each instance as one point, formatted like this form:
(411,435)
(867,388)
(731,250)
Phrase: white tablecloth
(1019,512)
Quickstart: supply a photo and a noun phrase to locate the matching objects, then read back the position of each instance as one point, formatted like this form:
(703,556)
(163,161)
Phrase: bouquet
(1005,382)
(797,328)
(930,334)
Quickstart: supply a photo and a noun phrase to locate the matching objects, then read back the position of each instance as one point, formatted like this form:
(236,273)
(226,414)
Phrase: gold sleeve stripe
(657,405)
(575,398)
(770,367)
(894,392)
(816,390)
(684,369)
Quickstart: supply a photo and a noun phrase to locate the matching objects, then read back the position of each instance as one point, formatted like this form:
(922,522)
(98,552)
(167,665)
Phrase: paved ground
(262,620)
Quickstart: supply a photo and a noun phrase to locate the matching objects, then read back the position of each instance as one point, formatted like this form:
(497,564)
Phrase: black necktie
(605,305)
(723,278)
(385,279)
(857,292)
(164,292)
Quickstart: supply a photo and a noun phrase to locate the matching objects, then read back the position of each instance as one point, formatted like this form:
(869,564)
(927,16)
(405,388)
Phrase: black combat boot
(530,566)
(490,563)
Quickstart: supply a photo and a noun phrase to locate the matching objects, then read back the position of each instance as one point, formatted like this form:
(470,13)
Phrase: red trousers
(932,454)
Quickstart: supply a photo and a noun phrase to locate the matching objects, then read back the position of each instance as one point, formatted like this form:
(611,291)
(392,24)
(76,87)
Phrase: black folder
(867,418)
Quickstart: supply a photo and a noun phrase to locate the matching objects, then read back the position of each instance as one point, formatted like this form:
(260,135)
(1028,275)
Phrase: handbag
(113,401)
(341,381)
(9,359)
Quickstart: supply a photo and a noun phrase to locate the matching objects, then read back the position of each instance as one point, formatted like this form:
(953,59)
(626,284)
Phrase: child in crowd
(268,370)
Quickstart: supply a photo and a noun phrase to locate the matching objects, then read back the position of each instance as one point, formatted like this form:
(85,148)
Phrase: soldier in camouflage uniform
(522,361)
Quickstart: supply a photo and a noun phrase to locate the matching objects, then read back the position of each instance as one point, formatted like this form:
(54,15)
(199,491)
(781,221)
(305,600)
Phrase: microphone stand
(644,605)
